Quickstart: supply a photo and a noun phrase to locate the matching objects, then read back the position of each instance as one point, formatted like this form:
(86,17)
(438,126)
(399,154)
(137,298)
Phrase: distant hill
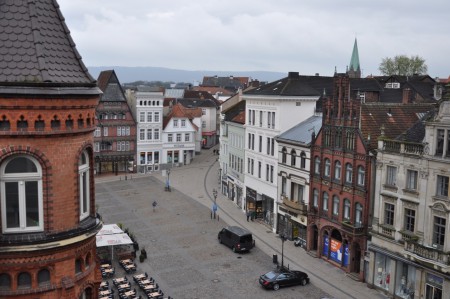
(131,74)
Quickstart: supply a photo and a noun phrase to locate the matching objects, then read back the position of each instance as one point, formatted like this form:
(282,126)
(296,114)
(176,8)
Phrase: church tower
(354,70)
(47,118)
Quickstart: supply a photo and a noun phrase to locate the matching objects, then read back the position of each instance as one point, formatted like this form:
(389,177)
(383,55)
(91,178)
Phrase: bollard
(126,178)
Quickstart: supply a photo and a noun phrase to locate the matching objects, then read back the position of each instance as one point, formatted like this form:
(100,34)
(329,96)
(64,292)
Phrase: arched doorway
(338,248)
(86,294)
(356,261)
(315,238)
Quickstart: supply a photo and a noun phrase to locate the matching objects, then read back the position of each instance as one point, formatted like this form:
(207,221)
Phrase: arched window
(87,262)
(283,155)
(327,169)
(337,170)
(5,282)
(361,175)
(348,173)
(78,266)
(303,160)
(43,277)
(293,154)
(335,205)
(84,184)
(358,214)
(21,195)
(316,165)
(86,294)
(24,280)
(346,209)
(316,198)
(325,201)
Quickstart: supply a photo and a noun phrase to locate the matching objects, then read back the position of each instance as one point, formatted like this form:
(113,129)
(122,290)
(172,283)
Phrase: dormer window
(392,85)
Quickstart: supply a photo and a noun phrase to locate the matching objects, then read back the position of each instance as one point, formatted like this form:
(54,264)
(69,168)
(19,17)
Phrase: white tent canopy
(109,229)
(114,239)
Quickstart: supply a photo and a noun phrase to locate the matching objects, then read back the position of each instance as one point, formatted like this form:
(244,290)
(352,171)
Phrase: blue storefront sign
(346,254)
(325,245)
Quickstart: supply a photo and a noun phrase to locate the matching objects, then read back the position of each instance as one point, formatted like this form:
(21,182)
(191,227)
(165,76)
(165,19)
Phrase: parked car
(281,278)
(237,238)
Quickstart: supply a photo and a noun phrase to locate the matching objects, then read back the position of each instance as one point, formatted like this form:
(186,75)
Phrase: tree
(403,65)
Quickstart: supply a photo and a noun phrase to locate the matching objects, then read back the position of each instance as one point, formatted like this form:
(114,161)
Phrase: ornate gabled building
(47,119)
(342,170)
(409,252)
(115,134)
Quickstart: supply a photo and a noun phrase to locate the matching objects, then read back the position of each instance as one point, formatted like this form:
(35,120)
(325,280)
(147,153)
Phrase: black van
(237,238)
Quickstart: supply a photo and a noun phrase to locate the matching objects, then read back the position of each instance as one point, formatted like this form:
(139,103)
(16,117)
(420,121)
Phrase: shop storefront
(335,250)
(291,223)
(266,210)
(406,279)
(239,196)
(250,199)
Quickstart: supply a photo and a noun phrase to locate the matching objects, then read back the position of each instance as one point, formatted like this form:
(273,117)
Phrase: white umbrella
(111,235)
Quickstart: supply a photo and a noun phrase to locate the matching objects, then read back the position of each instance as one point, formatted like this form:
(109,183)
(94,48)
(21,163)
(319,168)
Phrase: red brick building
(47,119)
(340,170)
(115,134)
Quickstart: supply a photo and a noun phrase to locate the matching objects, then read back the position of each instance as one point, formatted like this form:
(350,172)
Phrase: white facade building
(271,110)
(294,159)
(409,251)
(149,117)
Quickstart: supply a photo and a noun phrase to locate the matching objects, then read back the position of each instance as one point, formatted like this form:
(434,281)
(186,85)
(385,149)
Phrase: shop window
(405,280)
(382,271)
(433,288)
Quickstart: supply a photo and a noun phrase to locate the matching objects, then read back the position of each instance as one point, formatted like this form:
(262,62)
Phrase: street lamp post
(168,181)
(214,206)
(283,238)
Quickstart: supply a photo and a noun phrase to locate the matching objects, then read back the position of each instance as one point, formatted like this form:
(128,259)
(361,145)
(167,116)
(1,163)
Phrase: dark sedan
(276,279)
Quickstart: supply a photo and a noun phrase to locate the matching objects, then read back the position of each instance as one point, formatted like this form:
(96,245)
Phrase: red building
(340,171)
(47,119)
(115,134)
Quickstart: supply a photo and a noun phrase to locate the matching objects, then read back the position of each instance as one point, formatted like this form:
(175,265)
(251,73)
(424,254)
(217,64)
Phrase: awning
(114,239)
(109,229)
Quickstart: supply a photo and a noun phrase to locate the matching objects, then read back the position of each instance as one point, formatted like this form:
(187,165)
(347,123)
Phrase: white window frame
(175,123)
(20,179)
(141,117)
(411,179)
(156,117)
(105,131)
(361,176)
(327,169)
(149,116)
(337,170)
(391,175)
(183,123)
(84,186)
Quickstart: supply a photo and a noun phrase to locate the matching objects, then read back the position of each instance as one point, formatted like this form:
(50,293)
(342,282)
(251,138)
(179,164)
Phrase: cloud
(283,35)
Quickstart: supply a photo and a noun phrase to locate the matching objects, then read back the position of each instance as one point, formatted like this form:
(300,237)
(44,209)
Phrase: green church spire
(354,70)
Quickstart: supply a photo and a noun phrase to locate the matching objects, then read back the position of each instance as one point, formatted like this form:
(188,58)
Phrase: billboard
(338,252)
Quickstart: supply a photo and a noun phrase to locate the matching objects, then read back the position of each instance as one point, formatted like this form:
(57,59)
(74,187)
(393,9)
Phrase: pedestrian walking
(248,215)
(154,204)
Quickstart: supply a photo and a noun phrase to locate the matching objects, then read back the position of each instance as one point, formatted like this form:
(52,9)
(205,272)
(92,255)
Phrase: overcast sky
(312,36)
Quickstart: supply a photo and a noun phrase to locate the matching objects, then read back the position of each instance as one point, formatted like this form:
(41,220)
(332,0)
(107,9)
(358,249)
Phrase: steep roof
(36,46)
(234,113)
(230,83)
(395,119)
(302,132)
(110,85)
(201,95)
(197,102)
(179,111)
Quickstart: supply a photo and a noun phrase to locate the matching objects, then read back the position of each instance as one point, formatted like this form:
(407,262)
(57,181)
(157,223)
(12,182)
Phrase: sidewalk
(330,279)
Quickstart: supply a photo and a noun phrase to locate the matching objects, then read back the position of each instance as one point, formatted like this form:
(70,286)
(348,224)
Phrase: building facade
(270,110)
(410,242)
(294,159)
(47,119)
(339,192)
(115,134)
(149,116)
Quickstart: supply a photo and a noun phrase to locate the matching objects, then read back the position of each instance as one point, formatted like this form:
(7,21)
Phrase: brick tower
(47,111)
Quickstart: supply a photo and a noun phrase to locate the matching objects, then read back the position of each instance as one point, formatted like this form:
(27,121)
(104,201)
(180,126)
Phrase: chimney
(406,95)
(317,74)
(293,75)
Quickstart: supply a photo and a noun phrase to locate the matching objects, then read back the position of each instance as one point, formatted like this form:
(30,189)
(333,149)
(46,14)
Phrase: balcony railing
(429,253)
(387,231)
(300,206)
(353,229)
(408,236)
(396,146)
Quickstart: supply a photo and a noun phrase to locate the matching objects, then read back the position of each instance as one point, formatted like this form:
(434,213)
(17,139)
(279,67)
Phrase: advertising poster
(346,254)
(325,245)
(336,251)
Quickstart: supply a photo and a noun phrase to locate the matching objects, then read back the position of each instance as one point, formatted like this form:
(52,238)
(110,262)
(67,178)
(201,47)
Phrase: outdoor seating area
(118,285)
